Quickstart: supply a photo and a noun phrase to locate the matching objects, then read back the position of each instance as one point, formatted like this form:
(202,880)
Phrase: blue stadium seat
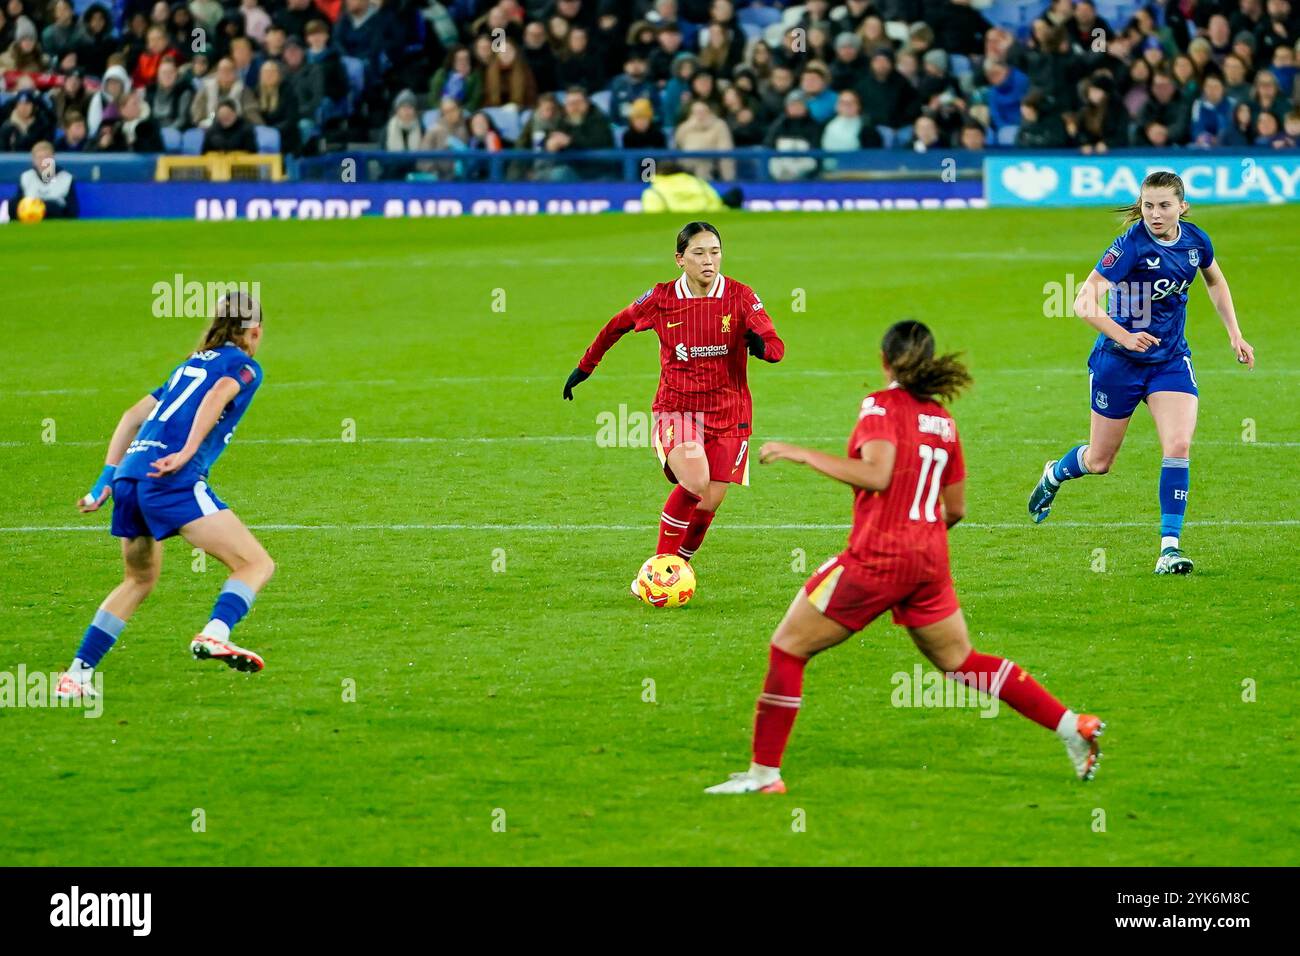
(1006,135)
(618,135)
(268,139)
(429,118)
(1015,14)
(760,17)
(960,65)
(602,100)
(356,70)
(752,33)
(171,138)
(506,120)
(886,136)
(192,141)
(1116,12)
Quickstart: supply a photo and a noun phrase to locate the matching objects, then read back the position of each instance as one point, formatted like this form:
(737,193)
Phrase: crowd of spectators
(706,75)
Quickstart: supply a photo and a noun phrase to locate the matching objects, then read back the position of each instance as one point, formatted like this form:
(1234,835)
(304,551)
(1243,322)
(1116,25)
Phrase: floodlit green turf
(500,667)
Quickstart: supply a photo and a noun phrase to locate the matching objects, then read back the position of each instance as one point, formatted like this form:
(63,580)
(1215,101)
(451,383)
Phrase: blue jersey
(168,426)
(1149,279)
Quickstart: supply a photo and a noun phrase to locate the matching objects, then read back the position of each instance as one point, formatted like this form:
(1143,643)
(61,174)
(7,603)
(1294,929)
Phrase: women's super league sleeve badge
(246,374)
(1112,256)
(645,295)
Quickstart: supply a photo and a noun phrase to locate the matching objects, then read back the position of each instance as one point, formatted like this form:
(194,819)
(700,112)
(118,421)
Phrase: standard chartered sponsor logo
(708,351)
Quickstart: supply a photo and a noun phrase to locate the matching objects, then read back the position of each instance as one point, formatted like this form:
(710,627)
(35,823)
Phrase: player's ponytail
(1162,179)
(908,348)
(235,313)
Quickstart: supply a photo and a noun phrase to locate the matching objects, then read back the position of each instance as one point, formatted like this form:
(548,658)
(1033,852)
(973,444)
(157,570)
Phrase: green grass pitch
(463,564)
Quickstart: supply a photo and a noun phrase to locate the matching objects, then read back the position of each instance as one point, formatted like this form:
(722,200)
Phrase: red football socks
(675,521)
(1004,679)
(699,527)
(778,706)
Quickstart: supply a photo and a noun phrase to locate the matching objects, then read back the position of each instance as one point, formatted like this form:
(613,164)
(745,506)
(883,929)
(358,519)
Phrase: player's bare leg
(227,539)
(1095,458)
(142,564)
(946,644)
(702,518)
(803,632)
(1175,417)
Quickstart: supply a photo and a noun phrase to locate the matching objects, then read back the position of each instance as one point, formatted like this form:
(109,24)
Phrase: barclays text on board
(1041,180)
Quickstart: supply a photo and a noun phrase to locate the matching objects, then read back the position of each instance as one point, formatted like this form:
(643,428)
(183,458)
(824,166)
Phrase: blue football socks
(1070,465)
(1175,479)
(99,639)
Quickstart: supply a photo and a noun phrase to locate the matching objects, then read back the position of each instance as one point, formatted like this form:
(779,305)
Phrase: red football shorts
(852,596)
(727,455)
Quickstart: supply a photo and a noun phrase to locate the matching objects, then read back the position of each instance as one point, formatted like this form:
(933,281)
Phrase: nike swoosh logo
(673,325)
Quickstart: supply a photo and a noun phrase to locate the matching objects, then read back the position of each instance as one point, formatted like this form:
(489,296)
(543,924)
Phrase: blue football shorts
(1117,384)
(159,509)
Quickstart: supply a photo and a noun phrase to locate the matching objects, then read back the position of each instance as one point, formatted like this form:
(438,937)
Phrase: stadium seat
(887,136)
(429,118)
(1006,135)
(602,100)
(171,138)
(959,64)
(268,139)
(192,142)
(506,120)
(752,33)
(356,70)
(758,17)
(618,135)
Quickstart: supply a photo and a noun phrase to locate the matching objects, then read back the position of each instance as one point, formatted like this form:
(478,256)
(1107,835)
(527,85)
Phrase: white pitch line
(1080,371)
(648,527)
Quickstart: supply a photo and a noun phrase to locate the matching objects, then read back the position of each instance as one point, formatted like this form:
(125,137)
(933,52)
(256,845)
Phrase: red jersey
(900,532)
(702,349)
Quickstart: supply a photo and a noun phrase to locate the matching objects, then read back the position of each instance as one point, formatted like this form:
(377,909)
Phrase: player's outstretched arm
(871,472)
(614,329)
(205,419)
(128,426)
(1088,306)
(1217,287)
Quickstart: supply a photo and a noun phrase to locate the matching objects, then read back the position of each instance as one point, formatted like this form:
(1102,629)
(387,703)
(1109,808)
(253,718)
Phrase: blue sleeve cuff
(103,481)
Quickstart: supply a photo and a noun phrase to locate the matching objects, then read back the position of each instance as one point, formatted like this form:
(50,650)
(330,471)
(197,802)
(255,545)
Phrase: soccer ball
(666,580)
(31,209)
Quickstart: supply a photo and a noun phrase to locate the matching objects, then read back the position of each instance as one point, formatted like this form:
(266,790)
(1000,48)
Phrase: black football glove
(576,377)
(757,347)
